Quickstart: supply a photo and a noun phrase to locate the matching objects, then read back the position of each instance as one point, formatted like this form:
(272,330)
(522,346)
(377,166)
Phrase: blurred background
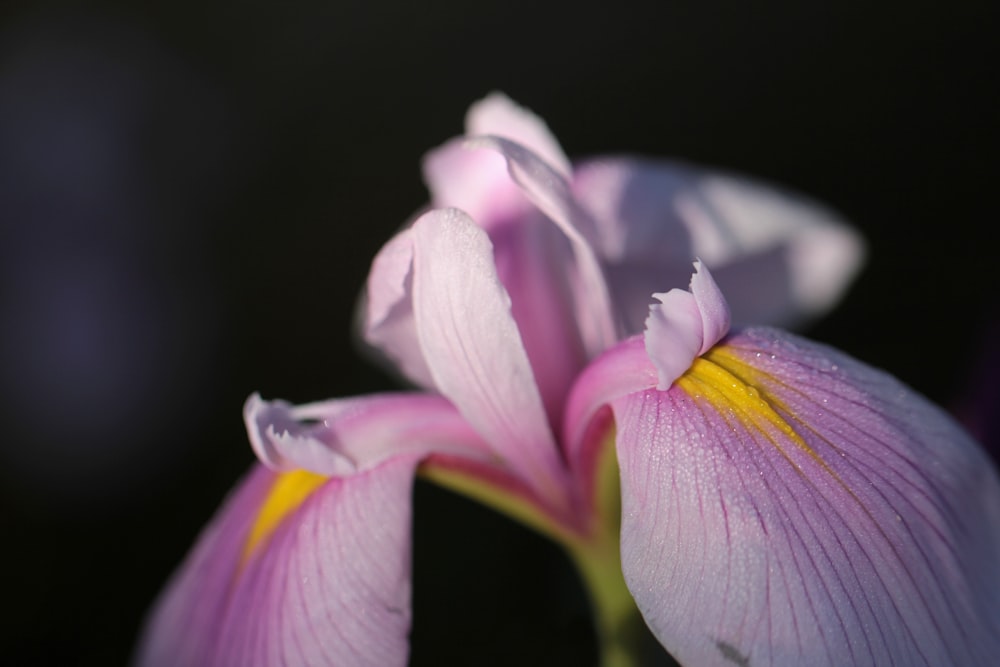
(191,194)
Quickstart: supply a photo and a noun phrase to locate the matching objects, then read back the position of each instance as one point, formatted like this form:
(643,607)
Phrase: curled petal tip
(685,325)
(284,443)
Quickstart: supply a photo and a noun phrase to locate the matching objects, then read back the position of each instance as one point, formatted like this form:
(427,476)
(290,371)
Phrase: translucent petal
(778,256)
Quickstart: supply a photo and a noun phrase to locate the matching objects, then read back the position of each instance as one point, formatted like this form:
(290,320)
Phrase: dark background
(191,194)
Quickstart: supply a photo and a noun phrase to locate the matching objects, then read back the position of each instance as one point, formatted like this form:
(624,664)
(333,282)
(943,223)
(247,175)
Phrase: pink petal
(331,586)
(778,256)
(549,191)
(500,116)
(472,346)
(388,309)
(341,436)
(184,625)
(859,526)
(531,257)
(530,254)
(476,181)
(624,369)
(685,325)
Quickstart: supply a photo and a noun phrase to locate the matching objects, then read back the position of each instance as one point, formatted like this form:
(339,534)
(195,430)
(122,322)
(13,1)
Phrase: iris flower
(757,498)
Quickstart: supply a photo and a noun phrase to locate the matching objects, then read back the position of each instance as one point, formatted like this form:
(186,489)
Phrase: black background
(191,194)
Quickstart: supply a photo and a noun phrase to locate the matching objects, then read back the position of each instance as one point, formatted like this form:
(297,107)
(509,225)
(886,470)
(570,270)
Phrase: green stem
(618,622)
(620,627)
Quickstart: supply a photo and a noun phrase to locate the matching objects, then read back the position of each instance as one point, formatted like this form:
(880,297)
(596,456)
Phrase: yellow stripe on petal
(289,491)
(725,381)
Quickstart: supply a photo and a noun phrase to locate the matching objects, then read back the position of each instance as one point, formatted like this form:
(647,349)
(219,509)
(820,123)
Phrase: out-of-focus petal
(549,191)
(184,626)
(476,180)
(472,346)
(784,504)
(498,115)
(757,239)
(330,586)
(684,325)
(340,436)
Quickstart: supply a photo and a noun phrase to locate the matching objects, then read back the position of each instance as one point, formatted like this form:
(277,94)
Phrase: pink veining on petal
(872,540)
(332,585)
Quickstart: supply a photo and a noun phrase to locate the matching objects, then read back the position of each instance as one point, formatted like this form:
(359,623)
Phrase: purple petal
(684,325)
(784,504)
(472,346)
(777,256)
(330,586)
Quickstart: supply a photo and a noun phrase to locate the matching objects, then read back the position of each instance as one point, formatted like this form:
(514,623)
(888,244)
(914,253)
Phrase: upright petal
(474,180)
(388,309)
(779,257)
(550,192)
(500,116)
(473,349)
(531,257)
(784,504)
